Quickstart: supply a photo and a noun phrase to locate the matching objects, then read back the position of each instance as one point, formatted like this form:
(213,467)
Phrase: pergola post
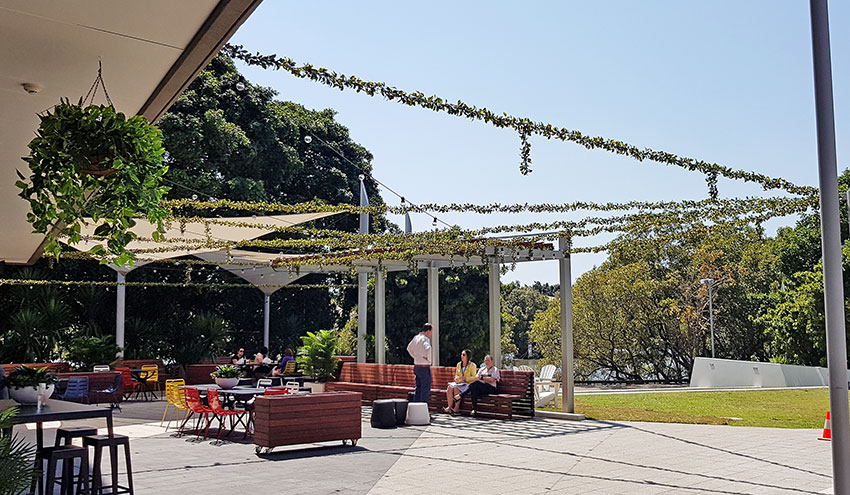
(495,293)
(362,301)
(434,312)
(120,304)
(566,296)
(266,310)
(380,316)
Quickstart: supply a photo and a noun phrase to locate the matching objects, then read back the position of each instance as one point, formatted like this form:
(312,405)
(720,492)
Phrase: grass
(796,408)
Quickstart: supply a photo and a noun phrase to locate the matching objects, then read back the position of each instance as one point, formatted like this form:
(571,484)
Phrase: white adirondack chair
(546,390)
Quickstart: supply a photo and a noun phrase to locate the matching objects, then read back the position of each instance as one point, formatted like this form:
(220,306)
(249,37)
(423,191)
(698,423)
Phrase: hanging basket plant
(91,161)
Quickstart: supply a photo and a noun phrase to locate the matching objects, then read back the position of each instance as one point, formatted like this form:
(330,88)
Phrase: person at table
(238,359)
(281,366)
(261,362)
(464,375)
(485,382)
(419,349)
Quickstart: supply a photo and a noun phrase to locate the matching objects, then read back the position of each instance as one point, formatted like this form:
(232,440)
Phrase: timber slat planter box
(309,418)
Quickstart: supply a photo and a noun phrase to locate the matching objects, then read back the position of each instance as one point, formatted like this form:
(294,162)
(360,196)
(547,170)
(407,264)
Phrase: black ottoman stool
(410,396)
(400,410)
(383,413)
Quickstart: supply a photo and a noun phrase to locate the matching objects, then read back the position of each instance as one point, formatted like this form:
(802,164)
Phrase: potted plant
(24,384)
(85,353)
(16,457)
(316,357)
(226,376)
(91,161)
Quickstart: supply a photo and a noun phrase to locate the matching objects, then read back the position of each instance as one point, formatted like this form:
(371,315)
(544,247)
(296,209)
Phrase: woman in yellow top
(465,374)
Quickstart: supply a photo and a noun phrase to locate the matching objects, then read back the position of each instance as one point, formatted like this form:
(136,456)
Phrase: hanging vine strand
(523,126)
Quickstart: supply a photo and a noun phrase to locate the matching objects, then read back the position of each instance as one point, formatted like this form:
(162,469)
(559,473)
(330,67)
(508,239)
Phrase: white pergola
(200,231)
(493,258)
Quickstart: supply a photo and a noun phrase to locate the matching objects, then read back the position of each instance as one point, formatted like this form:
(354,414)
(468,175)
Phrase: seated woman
(281,366)
(485,382)
(261,360)
(464,375)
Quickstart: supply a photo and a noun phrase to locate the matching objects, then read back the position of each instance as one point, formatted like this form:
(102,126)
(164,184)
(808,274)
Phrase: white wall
(727,373)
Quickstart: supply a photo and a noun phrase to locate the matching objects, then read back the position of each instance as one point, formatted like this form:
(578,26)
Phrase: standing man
(420,350)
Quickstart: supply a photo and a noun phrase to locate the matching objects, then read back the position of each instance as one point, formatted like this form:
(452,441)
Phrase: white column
(495,292)
(362,300)
(565,278)
(120,303)
(434,312)
(380,316)
(266,310)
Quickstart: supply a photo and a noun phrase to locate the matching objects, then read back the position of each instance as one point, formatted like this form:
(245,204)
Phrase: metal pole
(434,312)
(847,194)
(566,296)
(830,222)
(711,317)
(266,310)
(120,303)
(362,317)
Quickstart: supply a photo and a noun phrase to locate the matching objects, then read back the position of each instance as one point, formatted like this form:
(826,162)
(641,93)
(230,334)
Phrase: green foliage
(316,357)
(16,458)
(522,303)
(70,158)
(226,371)
(346,344)
(24,376)
(86,352)
(198,340)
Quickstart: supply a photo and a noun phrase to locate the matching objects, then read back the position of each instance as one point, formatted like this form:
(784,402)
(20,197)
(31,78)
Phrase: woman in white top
(485,382)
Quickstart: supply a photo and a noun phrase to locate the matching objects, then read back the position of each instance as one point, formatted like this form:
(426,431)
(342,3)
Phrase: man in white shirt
(420,350)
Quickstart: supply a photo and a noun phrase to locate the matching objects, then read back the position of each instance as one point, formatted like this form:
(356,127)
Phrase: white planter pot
(28,395)
(227,383)
(315,387)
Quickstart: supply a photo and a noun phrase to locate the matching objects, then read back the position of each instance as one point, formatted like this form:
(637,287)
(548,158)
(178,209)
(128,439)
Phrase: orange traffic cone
(827,429)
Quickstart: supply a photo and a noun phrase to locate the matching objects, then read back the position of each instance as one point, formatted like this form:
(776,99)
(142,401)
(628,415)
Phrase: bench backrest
(401,375)
(51,367)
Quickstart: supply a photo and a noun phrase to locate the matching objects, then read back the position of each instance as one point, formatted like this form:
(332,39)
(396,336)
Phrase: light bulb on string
(434,222)
(240,86)
(308,139)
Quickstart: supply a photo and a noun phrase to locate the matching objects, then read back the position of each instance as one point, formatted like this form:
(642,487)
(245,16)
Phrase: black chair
(383,413)
(400,410)
(112,393)
(99,442)
(67,454)
(4,394)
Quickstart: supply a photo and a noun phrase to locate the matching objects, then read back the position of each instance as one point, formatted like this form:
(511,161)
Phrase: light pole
(709,282)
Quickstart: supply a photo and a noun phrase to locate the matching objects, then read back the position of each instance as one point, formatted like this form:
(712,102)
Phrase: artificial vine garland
(96,283)
(523,126)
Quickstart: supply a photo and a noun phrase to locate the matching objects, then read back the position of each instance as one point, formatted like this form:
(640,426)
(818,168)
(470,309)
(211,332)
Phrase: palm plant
(16,458)
(316,356)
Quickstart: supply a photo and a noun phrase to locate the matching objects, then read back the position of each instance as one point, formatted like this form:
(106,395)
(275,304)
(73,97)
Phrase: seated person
(485,382)
(281,366)
(238,359)
(464,375)
(261,362)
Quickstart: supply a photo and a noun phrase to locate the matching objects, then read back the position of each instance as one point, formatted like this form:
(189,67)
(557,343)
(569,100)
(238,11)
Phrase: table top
(237,390)
(59,410)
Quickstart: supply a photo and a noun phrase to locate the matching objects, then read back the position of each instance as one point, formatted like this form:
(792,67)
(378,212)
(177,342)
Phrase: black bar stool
(67,454)
(383,414)
(99,442)
(64,436)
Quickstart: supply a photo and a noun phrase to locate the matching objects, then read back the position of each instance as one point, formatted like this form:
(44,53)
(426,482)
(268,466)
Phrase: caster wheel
(257,450)
(345,442)
(353,442)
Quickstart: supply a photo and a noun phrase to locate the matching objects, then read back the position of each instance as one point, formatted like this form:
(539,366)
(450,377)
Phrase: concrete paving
(464,455)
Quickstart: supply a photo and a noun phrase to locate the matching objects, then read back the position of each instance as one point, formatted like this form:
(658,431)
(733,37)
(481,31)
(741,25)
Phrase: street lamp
(709,282)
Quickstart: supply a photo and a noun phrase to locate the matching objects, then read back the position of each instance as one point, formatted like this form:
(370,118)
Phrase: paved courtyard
(464,455)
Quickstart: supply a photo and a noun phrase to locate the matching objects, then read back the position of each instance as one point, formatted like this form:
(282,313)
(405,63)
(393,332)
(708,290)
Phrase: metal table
(57,410)
(142,376)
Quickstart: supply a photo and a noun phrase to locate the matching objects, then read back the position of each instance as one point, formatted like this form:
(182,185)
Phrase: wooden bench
(197,374)
(515,391)
(99,381)
(51,367)
(293,419)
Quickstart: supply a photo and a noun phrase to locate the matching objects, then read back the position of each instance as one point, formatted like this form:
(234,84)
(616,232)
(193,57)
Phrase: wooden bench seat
(390,381)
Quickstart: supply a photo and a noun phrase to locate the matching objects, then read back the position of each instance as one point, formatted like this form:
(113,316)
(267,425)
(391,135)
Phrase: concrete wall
(727,373)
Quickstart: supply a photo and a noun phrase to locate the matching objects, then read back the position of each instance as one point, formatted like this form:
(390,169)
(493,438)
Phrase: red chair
(276,391)
(235,415)
(130,385)
(193,400)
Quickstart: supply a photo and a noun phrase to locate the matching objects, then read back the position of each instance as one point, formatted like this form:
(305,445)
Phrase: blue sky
(724,81)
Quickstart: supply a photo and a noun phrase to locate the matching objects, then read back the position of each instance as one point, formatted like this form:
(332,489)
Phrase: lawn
(797,408)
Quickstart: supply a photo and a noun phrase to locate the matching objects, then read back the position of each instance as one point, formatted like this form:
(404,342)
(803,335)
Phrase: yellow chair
(174,397)
(151,376)
(289,368)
